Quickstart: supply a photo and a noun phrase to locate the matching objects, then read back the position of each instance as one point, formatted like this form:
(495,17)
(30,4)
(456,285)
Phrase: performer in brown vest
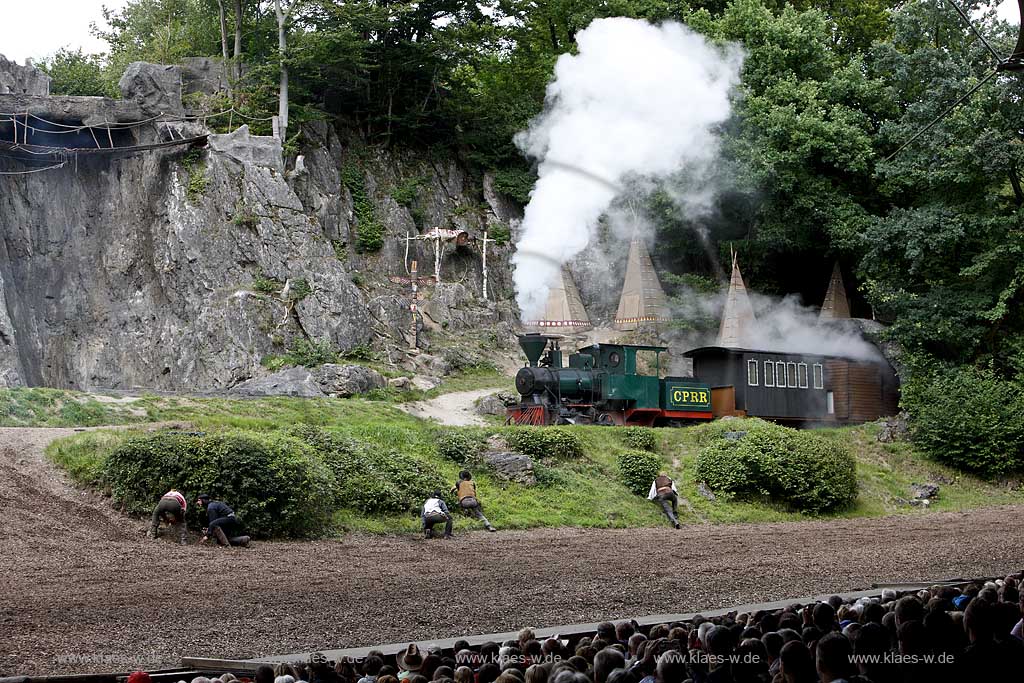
(663,489)
(465,490)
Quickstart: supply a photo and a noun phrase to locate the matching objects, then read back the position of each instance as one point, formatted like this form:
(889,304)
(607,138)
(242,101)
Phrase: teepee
(564,312)
(642,300)
(737,329)
(836,305)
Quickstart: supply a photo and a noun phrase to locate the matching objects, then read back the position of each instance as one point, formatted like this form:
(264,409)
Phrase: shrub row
(544,442)
(799,468)
(280,483)
(637,469)
(969,419)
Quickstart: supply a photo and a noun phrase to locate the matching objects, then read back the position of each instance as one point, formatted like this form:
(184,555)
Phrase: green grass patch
(24,407)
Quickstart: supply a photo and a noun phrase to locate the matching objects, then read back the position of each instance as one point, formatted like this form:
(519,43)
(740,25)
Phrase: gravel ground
(82,589)
(455,408)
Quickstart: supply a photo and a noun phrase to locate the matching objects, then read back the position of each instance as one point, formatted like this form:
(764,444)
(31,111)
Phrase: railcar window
(752,373)
(769,373)
(780,374)
(830,403)
(791,375)
(801,374)
(614,359)
(819,376)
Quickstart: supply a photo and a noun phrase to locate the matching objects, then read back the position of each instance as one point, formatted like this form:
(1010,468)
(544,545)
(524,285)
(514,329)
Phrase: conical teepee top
(643,300)
(564,312)
(737,329)
(836,305)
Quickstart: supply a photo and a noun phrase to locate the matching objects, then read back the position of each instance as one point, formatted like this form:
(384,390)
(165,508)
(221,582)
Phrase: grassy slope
(582,493)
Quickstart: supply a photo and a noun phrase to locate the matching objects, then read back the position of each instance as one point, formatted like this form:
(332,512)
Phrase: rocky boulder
(511,466)
(924,491)
(298,382)
(495,404)
(343,381)
(894,429)
(156,88)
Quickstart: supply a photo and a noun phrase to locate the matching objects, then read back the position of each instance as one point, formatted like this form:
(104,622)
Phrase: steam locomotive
(602,386)
(607,384)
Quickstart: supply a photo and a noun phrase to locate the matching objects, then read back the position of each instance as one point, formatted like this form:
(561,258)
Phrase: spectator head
(702,632)
(606,631)
(824,617)
(1009,592)
(525,635)
(624,630)
(720,641)
(264,674)
(851,630)
(417,678)
(889,623)
(797,664)
(773,643)
(671,668)
(791,621)
(989,594)
(1005,616)
(888,595)
(579,663)
(466,657)
(621,676)
(606,661)
(139,677)
(372,665)
(810,635)
(386,670)
(912,637)
(465,675)
(835,602)
(834,657)
(908,608)
(634,643)
(533,649)
(752,661)
(392,679)
(978,621)
(789,634)
(661,630)
(442,672)
(872,613)
(488,673)
(536,673)
(428,666)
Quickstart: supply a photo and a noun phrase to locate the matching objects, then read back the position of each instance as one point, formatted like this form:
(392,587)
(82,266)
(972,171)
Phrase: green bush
(801,469)
(275,483)
(458,446)
(267,285)
(544,442)
(637,469)
(640,438)
(370,478)
(969,419)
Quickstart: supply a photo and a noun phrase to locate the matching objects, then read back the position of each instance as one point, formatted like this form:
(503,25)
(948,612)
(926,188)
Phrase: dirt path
(455,409)
(81,588)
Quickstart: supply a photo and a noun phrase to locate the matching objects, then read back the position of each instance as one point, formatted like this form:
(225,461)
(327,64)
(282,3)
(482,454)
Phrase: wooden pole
(437,258)
(413,308)
(486,240)
(406,261)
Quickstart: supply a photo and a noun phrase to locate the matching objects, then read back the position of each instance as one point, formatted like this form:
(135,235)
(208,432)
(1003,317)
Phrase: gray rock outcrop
(348,380)
(511,466)
(495,404)
(24,80)
(291,382)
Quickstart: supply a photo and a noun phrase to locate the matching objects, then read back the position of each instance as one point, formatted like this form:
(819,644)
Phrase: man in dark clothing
(663,489)
(465,491)
(223,525)
(434,512)
(170,509)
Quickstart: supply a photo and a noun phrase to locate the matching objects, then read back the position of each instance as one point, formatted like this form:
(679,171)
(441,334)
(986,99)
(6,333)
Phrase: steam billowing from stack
(638,100)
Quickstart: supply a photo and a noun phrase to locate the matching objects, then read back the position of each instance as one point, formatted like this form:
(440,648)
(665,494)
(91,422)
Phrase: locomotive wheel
(605,420)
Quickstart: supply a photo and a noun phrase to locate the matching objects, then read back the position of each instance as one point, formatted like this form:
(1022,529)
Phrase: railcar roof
(735,350)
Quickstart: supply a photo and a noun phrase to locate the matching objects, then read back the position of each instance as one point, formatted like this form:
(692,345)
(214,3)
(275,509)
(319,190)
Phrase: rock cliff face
(160,270)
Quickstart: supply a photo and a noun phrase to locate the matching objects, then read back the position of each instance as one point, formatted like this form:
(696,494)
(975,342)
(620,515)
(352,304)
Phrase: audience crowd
(942,634)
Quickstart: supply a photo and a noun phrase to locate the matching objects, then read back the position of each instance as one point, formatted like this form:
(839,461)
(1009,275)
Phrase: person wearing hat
(171,510)
(663,489)
(409,662)
(139,677)
(465,491)
(222,525)
(434,512)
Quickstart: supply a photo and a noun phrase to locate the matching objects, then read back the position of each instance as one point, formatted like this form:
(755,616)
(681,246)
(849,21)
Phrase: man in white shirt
(663,489)
(434,512)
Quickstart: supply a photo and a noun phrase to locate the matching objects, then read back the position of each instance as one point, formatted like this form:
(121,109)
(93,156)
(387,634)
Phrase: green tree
(75,73)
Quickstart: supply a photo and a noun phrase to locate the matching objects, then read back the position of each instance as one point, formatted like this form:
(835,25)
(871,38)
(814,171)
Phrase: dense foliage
(637,469)
(968,418)
(757,459)
(276,484)
(639,438)
(544,442)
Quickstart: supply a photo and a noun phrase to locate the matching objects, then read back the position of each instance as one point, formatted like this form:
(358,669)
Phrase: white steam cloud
(638,100)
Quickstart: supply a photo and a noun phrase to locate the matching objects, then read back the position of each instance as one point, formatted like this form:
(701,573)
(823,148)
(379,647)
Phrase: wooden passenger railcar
(796,387)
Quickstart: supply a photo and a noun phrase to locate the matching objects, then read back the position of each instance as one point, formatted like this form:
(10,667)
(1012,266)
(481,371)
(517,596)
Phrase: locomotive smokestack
(533,345)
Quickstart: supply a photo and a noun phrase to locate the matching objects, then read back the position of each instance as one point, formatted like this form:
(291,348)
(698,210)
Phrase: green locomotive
(603,384)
